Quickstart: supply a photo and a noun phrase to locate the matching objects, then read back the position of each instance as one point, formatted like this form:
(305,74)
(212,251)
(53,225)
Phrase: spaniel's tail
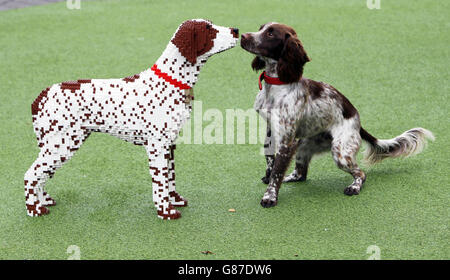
(409,143)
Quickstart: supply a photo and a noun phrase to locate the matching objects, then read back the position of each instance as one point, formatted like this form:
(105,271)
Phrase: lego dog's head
(198,39)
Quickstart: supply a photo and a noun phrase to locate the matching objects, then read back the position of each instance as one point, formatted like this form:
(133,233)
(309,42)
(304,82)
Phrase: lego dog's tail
(409,143)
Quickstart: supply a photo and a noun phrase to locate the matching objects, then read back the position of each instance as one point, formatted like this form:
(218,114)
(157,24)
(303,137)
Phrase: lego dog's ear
(184,40)
(194,38)
(258,63)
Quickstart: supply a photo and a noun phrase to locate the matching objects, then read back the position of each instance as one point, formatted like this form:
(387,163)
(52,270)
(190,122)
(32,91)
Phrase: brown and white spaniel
(307,117)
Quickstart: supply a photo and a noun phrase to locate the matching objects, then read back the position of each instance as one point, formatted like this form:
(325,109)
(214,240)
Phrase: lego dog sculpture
(146,109)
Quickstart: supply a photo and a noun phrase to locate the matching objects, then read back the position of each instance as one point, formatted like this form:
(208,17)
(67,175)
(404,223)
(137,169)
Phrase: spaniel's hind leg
(345,146)
(308,147)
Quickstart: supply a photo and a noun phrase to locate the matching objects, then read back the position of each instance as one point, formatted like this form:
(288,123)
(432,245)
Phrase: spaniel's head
(280,43)
(198,39)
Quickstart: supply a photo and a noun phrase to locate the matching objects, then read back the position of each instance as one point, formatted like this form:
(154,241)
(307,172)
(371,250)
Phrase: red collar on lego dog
(269,80)
(169,79)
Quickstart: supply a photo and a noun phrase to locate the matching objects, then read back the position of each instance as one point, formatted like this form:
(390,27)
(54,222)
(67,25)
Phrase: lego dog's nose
(235,32)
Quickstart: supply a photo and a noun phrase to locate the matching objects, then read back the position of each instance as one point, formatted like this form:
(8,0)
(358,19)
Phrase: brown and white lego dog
(307,117)
(146,109)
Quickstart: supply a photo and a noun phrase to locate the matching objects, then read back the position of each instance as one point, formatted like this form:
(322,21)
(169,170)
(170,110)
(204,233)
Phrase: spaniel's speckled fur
(306,117)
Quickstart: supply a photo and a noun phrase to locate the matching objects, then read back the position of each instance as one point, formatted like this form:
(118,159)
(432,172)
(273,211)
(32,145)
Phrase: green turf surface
(391,63)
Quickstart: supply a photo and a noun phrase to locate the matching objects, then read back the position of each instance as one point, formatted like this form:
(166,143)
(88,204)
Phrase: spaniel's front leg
(158,156)
(283,157)
(269,154)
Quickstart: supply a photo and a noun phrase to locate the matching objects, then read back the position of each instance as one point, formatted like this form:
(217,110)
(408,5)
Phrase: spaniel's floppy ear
(258,63)
(293,58)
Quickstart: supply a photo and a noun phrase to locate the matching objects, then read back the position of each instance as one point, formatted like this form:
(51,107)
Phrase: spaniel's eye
(208,26)
(270,34)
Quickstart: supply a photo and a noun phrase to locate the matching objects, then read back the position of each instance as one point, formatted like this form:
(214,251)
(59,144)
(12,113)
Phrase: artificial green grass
(391,63)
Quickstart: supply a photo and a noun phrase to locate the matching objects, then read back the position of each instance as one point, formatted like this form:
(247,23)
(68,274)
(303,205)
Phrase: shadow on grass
(329,185)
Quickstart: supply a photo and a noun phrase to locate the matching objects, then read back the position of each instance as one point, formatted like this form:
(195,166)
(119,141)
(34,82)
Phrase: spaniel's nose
(235,32)
(245,36)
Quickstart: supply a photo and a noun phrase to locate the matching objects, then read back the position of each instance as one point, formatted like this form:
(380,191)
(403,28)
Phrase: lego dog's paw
(36,210)
(170,214)
(177,200)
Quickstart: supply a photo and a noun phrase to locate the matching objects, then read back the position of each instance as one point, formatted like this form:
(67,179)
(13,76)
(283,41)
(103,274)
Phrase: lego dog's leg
(34,180)
(158,156)
(56,149)
(175,198)
(43,168)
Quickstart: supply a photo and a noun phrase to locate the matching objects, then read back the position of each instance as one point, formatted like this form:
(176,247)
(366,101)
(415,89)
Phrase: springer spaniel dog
(307,117)
(146,109)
